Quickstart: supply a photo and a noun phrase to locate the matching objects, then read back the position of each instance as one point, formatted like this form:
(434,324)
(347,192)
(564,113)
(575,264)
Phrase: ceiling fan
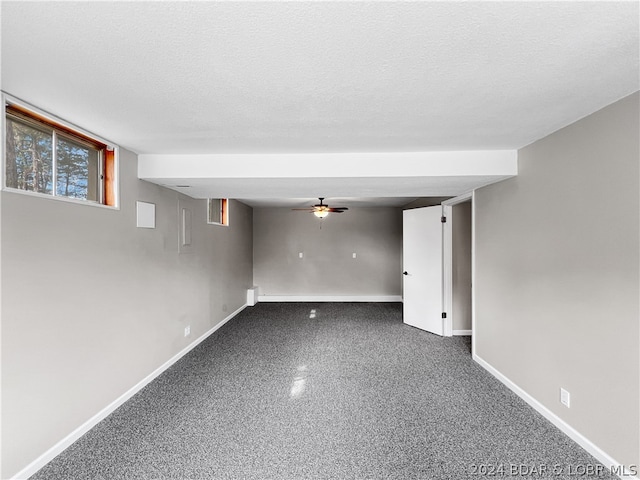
(321,210)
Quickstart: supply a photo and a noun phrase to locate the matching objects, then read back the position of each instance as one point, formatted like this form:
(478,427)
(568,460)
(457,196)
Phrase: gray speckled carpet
(349,394)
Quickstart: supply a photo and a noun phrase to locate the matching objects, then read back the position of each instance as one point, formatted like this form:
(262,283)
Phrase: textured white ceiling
(319,77)
(257,77)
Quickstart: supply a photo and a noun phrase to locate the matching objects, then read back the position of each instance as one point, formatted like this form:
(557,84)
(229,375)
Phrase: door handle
(405,273)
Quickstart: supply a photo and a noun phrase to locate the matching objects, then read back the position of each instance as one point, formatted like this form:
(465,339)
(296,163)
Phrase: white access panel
(145,215)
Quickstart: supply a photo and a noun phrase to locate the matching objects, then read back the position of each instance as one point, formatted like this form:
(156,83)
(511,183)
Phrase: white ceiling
(313,77)
(350,202)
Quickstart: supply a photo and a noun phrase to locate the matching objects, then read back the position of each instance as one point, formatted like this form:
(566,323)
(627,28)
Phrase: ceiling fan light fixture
(321,210)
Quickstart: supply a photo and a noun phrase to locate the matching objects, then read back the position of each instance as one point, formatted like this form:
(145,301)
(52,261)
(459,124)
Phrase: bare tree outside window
(29,157)
(45,161)
(77,170)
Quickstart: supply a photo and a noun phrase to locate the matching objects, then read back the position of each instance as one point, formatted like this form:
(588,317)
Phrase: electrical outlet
(300,255)
(565,398)
(354,254)
(187,330)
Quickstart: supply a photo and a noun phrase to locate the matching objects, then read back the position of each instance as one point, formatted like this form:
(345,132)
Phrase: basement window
(47,157)
(218,211)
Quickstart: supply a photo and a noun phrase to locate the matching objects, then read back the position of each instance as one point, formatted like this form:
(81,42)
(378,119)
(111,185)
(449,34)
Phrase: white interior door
(422,268)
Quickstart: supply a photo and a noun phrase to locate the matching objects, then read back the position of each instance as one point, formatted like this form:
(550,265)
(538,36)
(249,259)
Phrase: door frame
(447,262)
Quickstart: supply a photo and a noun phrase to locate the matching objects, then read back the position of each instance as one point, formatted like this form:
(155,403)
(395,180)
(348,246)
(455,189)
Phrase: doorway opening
(458,263)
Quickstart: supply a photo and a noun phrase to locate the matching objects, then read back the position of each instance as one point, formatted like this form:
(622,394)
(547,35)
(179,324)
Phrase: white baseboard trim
(462,332)
(67,441)
(599,454)
(330,298)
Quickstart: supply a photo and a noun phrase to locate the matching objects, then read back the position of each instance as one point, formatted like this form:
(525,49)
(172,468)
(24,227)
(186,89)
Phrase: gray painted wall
(327,268)
(92,304)
(461,274)
(557,258)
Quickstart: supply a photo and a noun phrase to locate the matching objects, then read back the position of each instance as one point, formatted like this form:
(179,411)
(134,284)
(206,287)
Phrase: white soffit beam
(394,174)
(503,163)
(312,188)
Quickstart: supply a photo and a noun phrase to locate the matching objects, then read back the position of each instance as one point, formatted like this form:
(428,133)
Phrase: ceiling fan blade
(338,209)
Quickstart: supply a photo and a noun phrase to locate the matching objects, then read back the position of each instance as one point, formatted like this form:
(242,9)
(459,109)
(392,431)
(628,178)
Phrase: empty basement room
(301,240)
